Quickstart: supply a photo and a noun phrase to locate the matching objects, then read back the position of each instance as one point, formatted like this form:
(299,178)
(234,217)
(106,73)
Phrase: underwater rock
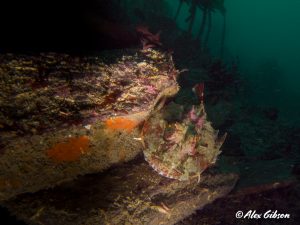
(131,193)
(62,116)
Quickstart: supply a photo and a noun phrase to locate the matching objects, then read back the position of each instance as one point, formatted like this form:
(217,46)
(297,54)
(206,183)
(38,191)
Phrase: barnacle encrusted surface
(47,91)
(62,116)
(182,148)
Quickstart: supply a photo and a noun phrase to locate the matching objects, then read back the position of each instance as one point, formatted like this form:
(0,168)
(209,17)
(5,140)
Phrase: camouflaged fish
(182,149)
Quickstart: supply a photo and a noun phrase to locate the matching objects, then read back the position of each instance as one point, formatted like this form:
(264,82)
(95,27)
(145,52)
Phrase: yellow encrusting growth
(69,150)
(121,123)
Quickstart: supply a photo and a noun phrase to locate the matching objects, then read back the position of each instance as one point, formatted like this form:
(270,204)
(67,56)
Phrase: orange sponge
(69,150)
(121,123)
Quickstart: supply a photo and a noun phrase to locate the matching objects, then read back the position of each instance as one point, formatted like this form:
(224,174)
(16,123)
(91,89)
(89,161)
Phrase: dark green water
(264,35)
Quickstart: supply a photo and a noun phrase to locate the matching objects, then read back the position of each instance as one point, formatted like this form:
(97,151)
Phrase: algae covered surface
(62,116)
(47,91)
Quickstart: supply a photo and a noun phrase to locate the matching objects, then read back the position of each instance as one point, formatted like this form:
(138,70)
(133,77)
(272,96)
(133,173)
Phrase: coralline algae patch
(69,150)
(121,123)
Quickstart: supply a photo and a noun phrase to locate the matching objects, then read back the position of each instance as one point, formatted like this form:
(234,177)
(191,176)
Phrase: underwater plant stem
(223,36)
(191,18)
(203,23)
(209,24)
(178,9)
